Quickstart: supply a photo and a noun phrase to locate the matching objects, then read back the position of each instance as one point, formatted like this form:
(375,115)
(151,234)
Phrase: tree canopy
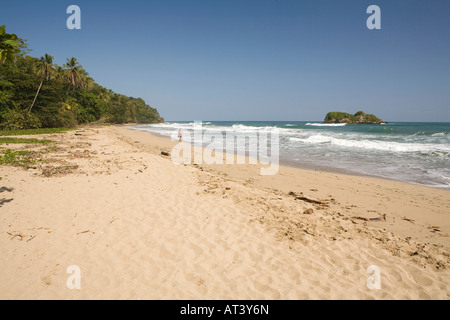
(9,45)
(37,93)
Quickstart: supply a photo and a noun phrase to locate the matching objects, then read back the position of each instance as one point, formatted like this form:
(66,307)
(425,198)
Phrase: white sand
(139,227)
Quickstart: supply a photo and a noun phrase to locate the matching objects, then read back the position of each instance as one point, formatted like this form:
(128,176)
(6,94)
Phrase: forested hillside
(35,93)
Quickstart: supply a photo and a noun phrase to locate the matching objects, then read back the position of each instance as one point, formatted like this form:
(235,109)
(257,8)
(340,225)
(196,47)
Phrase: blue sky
(254,59)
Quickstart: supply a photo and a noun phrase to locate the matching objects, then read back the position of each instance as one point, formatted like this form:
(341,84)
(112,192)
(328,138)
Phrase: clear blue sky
(254,59)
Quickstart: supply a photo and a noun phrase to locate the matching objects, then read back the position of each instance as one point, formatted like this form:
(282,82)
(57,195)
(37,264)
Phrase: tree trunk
(39,89)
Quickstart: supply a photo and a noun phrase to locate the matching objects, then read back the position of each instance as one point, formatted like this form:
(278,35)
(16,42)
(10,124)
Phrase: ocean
(417,153)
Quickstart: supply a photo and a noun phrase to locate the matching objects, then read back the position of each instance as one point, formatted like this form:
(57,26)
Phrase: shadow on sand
(3,201)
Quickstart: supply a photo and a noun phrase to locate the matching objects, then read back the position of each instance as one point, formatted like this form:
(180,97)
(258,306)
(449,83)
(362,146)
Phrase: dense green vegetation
(358,118)
(9,45)
(33,131)
(20,140)
(36,93)
(337,116)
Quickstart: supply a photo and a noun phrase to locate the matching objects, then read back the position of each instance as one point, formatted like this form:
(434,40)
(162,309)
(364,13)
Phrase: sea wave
(436,134)
(165,128)
(440,134)
(391,146)
(242,128)
(326,124)
(417,153)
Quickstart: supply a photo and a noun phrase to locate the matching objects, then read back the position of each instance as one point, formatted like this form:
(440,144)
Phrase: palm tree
(9,46)
(75,72)
(85,81)
(45,69)
(60,74)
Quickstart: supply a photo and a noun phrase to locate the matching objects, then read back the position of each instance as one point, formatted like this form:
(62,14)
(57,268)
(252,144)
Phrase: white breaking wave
(440,134)
(374,145)
(246,128)
(326,124)
(171,129)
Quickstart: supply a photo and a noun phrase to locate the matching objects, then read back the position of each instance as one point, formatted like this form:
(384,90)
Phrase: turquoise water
(412,152)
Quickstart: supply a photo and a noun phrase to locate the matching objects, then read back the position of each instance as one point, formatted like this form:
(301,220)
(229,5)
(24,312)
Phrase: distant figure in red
(180,135)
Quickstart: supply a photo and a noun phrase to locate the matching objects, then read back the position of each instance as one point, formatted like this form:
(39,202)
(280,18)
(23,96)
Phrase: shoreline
(139,227)
(329,169)
(311,167)
(326,185)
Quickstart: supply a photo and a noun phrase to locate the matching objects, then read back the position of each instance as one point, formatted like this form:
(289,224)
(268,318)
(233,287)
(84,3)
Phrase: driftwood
(380,219)
(302,198)
(434,228)
(17,235)
(113,219)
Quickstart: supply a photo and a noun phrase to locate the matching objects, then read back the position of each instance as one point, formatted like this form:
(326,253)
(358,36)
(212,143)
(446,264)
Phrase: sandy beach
(139,227)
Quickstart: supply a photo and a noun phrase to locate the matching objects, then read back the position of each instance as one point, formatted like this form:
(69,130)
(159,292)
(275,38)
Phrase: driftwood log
(302,198)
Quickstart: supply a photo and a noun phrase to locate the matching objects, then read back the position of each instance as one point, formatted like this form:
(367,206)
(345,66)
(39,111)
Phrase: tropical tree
(22,107)
(76,73)
(45,69)
(9,46)
(60,74)
(88,82)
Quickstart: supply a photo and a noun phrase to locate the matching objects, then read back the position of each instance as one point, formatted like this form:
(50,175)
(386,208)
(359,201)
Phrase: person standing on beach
(180,134)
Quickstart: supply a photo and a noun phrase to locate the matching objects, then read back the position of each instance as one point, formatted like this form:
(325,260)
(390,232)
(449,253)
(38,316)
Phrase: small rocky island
(358,118)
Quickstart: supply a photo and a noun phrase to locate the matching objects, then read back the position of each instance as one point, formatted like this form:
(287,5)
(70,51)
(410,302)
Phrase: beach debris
(3,201)
(308,211)
(80,154)
(52,170)
(79,132)
(17,235)
(379,219)
(409,220)
(165,153)
(81,145)
(113,219)
(434,228)
(307,199)
(83,232)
